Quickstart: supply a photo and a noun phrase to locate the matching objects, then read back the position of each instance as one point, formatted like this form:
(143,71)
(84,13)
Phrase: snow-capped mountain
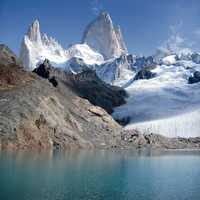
(163,89)
(36,47)
(104,37)
(95,48)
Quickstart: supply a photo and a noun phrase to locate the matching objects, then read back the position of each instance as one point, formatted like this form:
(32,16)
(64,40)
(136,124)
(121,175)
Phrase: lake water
(99,175)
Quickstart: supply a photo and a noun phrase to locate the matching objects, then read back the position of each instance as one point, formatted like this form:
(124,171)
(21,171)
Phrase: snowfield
(166,104)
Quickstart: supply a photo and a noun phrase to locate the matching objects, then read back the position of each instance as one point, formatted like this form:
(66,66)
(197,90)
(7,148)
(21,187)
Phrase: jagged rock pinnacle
(102,36)
(34,31)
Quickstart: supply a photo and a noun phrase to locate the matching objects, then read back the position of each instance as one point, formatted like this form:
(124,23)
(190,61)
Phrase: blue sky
(146,24)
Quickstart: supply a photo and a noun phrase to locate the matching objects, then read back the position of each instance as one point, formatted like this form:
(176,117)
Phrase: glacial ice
(166,104)
(184,125)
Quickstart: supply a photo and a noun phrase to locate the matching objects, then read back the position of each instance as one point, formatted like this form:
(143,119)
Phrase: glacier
(166,104)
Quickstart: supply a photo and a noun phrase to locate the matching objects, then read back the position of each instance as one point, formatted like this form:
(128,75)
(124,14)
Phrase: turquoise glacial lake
(100,175)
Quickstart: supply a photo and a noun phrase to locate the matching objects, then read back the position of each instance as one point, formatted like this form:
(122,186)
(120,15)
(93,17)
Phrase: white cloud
(176,44)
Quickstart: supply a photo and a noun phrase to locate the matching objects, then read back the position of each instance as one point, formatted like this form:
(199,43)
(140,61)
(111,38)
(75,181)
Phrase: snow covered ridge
(101,40)
(117,71)
(36,47)
(165,104)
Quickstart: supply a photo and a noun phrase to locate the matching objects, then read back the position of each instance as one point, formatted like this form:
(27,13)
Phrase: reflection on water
(85,175)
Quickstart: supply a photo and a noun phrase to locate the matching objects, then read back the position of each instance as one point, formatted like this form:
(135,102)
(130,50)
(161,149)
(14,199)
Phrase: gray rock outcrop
(7,56)
(195,78)
(34,32)
(104,37)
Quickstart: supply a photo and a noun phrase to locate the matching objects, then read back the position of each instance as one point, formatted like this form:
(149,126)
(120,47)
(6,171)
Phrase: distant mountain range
(163,88)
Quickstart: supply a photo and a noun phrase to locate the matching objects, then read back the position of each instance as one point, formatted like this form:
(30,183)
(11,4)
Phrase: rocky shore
(132,138)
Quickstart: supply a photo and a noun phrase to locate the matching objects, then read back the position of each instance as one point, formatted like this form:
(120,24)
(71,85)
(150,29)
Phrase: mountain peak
(34,31)
(102,36)
(104,15)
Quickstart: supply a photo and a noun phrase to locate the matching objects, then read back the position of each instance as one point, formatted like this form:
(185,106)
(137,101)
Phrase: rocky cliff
(7,57)
(104,37)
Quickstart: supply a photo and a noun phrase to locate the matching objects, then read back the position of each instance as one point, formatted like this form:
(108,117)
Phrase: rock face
(195,78)
(116,70)
(77,65)
(34,32)
(144,74)
(88,85)
(7,57)
(120,38)
(106,39)
(142,62)
(43,69)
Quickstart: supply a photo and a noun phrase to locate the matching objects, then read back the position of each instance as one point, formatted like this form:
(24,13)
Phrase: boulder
(97,110)
(144,74)
(43,69)
(195,78)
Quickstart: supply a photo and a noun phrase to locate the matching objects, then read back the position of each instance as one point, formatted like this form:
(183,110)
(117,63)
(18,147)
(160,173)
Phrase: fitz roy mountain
(37,46)
(104,37)
(163,89)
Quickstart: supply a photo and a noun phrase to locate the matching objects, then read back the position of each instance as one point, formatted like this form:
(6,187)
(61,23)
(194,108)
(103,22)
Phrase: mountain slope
(7,56)
(36,115)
